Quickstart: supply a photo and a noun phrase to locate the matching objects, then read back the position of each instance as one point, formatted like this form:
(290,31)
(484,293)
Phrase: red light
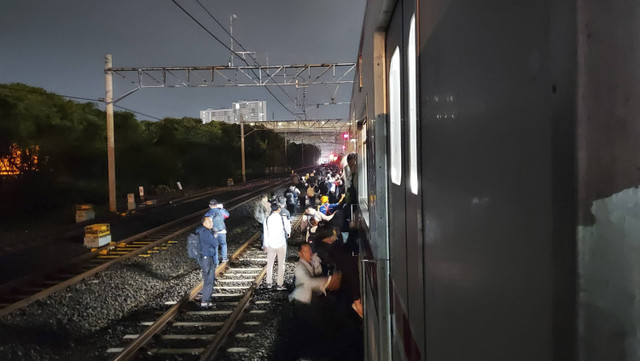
(344,147)
(345,135)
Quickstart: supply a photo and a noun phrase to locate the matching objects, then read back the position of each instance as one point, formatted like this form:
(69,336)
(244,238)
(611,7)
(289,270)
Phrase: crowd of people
(326,290)
(326,296)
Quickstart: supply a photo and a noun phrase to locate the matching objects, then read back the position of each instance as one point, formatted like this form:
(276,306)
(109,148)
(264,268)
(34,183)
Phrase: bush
(162,189)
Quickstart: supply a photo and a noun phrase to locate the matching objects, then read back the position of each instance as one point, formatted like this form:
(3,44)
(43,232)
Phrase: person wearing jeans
(218,214)
(208,259)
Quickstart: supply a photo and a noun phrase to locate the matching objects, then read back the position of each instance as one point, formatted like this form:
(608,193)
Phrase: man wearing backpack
(218,214)
(291,196)
(276,231)
(208,259)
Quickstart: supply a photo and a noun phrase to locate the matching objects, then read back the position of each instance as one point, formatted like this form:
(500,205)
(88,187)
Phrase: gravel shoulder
(82,321)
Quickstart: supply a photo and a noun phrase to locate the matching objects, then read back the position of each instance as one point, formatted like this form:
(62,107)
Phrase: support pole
(111,158)
(231,17)
(244,176)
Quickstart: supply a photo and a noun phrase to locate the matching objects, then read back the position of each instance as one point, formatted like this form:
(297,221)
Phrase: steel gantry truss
(236,76)
(324,133)
(327,134)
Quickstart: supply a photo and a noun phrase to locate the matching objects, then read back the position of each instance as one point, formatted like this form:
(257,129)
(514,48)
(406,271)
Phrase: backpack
(216,219)
(193,246)
(290,198)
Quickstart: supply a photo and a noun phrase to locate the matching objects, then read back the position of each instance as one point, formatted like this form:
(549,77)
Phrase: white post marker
(131,201)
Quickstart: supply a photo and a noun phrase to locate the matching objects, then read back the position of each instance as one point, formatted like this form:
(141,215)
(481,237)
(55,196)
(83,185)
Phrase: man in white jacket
(309,278)
(276,230)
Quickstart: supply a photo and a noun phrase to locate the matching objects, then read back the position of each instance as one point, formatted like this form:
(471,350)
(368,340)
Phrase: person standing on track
(208,259)
(263,208)
(276,231)
(218,214)
(291,196)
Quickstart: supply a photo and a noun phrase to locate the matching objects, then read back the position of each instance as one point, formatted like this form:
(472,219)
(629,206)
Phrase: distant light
(345,135)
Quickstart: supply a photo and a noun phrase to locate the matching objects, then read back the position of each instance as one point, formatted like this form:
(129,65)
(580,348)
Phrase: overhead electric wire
(241,47)
(238,55)
(44,92)
(136,112)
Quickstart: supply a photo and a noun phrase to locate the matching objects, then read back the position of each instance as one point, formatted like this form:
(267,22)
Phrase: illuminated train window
(413,127)
(395,132)
(362,172)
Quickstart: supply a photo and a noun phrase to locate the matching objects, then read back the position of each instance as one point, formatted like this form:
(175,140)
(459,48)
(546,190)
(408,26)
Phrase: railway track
(20,293)
(186,331)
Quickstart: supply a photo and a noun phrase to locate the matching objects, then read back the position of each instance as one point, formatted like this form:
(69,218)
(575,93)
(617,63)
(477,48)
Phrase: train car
(498,179)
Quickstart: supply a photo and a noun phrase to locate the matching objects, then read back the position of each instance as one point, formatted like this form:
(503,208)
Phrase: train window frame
(413,107)
(363,192)
(360,72)
(395,121)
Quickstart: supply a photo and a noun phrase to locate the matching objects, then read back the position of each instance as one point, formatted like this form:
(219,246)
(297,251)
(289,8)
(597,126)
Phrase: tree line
(54,151)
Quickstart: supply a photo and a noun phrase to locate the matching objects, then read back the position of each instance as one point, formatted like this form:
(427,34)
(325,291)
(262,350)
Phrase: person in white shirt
(276,230)
(309,278)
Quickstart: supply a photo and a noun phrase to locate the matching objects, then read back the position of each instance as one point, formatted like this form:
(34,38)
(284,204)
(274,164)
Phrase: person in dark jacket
(291,196)
(337,257)
(302,194)
(208,259)
(218,214)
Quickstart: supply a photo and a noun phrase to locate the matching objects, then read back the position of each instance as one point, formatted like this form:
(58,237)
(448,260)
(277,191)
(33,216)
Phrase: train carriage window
(413,112)
(363,191)
(395,105)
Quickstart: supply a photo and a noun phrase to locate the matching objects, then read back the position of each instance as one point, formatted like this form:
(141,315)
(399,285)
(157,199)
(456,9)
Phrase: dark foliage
(69,142)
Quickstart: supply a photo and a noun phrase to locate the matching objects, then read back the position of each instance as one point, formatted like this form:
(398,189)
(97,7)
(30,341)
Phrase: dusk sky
(59,45)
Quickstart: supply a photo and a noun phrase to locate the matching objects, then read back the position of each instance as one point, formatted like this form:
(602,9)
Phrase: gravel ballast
(82,321)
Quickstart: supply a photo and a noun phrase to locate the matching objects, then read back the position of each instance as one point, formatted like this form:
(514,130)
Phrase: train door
(406,266)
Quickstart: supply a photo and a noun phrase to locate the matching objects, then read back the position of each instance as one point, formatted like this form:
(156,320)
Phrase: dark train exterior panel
(482,260)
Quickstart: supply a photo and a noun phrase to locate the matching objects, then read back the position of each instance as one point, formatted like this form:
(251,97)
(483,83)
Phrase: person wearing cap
(276,231)
(329,208)
(218,214)
(282,202)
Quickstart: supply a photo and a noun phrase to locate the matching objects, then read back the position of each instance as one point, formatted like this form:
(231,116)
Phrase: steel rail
(95,253)
(128,240)
(211,352)
(130,351)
